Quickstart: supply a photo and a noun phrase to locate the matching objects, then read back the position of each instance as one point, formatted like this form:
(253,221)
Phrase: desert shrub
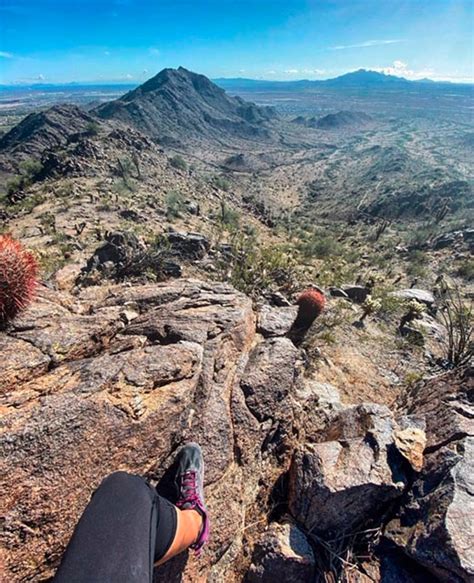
(149,263)
(174,203)
(124,188)
(178,162)
(336,271)
(412,378)
(389,304)
(15,184)
(92,128)
(421,237)
(457,316)
(466,269)
(18,278)
(30,168)
(29,171)
(254,268)
(128,168)
(228,216)
(221,183)
(416,263)
(320,246)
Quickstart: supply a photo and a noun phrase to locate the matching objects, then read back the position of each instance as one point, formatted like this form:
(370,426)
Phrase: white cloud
(6,55)
(154,51)
(313,71)
(304,71)
(401,69)
(271,72)
(367,43)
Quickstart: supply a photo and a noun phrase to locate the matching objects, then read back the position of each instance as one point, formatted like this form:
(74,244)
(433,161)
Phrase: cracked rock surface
(84,394)
(435,525)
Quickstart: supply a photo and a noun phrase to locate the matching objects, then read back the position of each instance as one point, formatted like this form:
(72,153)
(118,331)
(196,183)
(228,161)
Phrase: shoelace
(188,490)
(190,500)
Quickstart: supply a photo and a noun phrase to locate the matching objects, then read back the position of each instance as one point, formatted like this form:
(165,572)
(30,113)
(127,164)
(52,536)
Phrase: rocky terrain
(84,374)
(175,228)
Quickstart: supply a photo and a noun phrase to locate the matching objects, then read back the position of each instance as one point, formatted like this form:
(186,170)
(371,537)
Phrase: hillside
(177,105)
(48,129)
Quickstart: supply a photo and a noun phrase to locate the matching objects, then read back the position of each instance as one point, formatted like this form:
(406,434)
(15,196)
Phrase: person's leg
(127,527)
(116,537)
(188,528)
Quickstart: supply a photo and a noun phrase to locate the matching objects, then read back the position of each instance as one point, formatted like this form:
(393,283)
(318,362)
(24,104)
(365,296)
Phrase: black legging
(126,527)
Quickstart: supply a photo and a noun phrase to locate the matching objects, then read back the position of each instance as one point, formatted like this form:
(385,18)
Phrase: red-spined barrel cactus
(311,303)
(18,278)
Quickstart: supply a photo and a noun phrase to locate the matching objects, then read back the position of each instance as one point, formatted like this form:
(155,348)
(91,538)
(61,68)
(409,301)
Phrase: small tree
(29,172)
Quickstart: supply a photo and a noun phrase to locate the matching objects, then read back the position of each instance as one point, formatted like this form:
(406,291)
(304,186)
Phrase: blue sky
(131,40)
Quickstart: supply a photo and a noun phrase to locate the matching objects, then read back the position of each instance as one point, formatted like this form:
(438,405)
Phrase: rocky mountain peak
(180,104)
(177,79)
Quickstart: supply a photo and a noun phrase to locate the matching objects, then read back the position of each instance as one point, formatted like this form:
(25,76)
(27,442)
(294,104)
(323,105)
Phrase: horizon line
(136,82)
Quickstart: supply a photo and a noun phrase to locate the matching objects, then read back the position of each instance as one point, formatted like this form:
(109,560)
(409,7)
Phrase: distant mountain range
(357,79)
(360,78)
(177,108)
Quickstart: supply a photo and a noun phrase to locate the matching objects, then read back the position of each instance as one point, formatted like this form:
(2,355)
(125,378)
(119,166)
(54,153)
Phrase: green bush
(320,246)
(29,171)
(416,266)
(92,128)
(466,269)
(30,168)
(174,203)
(221,183)
(228,216)
(254,268)
(178,162)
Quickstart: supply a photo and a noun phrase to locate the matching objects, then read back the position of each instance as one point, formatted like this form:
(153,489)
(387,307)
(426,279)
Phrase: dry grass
(339,560)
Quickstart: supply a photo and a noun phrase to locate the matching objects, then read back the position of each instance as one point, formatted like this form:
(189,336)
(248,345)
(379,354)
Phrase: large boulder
(350,475)
(188,246)
(434,526)
(282,553)
(420,295)
(356,293)
(276,321)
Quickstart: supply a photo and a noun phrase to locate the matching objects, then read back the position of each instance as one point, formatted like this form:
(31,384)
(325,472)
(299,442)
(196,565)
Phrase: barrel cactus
(18,278)
(311,303)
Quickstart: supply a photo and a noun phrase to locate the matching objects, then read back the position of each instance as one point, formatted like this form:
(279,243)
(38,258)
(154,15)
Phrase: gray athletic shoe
(190,483)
